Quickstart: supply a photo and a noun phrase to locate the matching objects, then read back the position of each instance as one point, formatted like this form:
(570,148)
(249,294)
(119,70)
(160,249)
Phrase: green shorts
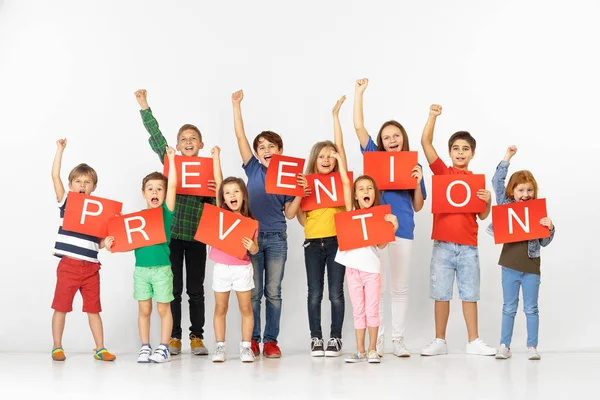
(153,283)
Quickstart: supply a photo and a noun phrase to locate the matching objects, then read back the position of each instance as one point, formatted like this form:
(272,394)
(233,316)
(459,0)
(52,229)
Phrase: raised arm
(172,180)
(359,119)
(338,137)
(345,180)
(427,139)
(216,156)
(157,141)
(238,124)
(59,188)
(500,176)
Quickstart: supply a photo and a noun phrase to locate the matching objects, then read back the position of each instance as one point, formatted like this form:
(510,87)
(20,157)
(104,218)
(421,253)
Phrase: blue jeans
(511,282)
(447,260)
(268,264)
(318,254)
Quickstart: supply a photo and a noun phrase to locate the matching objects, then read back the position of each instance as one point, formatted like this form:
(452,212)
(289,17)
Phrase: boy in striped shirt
(78,268)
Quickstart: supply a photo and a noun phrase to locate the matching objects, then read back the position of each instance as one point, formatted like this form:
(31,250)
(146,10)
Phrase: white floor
(298,376)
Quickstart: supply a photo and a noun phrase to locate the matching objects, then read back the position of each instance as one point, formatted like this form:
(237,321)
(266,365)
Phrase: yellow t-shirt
(320,223)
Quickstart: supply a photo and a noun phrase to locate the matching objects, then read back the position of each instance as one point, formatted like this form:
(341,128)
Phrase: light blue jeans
(447,260)
(511,282)
(268,264)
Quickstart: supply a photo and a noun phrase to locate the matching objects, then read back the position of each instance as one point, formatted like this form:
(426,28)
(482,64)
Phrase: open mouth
(82,191)
(367,199)
(268,158)
(189,148)
(154,201)
(233,203)
(394,146)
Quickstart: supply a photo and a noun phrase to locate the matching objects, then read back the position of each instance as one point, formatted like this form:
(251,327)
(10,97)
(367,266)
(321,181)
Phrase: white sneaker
(380,346)
(400,349)
(161,354)
(373,357)
(144,354)
(246,354)
(219,354)
(480,348)
(533,353)
(503,353)
(436,348)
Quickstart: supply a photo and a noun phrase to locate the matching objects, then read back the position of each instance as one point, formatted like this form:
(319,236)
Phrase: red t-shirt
(459,228)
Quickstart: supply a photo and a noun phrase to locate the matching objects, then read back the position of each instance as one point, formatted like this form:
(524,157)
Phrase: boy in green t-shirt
(153,278)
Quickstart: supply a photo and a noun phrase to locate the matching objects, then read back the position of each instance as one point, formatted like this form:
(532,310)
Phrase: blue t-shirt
(401,203)
(266,208)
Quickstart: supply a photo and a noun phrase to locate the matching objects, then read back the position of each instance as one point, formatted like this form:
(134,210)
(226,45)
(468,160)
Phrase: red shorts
(73,275)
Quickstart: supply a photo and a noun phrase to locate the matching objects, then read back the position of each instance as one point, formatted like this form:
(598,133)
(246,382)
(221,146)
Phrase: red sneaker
(271,350)
(255,348)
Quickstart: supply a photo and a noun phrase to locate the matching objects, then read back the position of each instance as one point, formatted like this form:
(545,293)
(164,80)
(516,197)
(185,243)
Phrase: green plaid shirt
(188,209)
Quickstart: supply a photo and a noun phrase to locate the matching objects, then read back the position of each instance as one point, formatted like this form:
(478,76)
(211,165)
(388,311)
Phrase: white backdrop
(512,72)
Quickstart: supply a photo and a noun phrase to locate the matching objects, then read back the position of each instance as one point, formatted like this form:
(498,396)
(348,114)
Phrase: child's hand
(140,96)
(237,97)
(485,195)
(302,181)
(361,85)
(435,110)
(546,221)
(212,185)
(170,152)
(215,152)
(61,144)
(108,242)
(393,219)
(249,245)
(417,173)
(335,155)
(510,152)
(338,105)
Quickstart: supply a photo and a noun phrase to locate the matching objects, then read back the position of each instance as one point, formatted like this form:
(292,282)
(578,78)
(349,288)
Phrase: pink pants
(363,289)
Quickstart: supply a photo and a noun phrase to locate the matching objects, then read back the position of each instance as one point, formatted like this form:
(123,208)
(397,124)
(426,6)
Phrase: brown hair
(405,146)
(245,208)
(189,127)
(311,166)
(271,137)
(83,169)
(376,200)
(464,135)
(518,178)
(154,176)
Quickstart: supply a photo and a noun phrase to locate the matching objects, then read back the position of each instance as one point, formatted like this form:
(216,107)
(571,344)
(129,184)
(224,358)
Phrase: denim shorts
(448,259)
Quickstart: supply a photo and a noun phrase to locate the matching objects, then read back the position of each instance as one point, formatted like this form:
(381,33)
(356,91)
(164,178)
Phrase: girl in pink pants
(363,268)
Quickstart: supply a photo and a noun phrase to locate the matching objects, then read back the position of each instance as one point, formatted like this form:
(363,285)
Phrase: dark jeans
(269,265)
(318,254)
(195,268)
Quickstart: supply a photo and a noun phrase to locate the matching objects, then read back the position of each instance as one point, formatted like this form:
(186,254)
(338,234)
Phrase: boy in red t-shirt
(455,245)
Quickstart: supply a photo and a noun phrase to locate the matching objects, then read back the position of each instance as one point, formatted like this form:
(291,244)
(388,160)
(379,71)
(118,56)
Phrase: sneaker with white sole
(533,353)
(161,354)
(480,348)
(246,354)
(334,348)
(355,357)
(144,354)
(400,349)
(373,357)
(503,353)
(380,345)
(316,347)
(436,348)
(219,354)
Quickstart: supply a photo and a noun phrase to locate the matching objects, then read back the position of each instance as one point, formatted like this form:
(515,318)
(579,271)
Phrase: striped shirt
(73,244)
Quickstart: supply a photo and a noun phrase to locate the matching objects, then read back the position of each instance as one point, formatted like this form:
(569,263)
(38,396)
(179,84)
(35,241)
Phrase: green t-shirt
(157,255)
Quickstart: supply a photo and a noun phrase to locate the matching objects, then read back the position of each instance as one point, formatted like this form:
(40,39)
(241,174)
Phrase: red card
(519,221)
(282,175)
(89,215)
(391,169)
(193,174)
(224,230)
(457,194)
(140,229)
(327,191)
(365,227)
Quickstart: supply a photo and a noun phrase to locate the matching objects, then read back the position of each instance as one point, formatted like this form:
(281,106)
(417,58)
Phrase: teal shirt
(157,255)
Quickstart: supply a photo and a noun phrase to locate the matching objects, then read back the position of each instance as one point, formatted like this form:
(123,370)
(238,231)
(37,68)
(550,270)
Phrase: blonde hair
(311,166)
(518,178)
(83,169)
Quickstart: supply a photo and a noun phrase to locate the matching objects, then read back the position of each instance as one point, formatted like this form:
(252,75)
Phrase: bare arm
(345,181)
(418,201)
(59,188)
(301,216)
(238,124)
(338,137)
(394,220)
(359,119)
(217,171)
(293,207)
(427,138)
(172,180)
(486,196)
